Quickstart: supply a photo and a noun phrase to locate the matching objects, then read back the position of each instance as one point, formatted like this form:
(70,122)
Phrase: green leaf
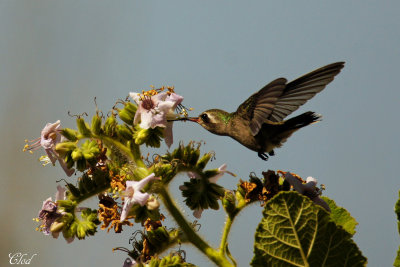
(341,216)
(296,232)
(397,211)
(168,261)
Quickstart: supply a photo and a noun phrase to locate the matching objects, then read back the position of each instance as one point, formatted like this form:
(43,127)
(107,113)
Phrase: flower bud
(90,150)
(100,178)
(158,237)
(125,116)
(73,190)
(178,152)
(83,127)
(194,156)
(152,203)
(66,205)
(69,161)
(87,183)
(70,134)
(96,124)
(201,164)
(77,154)
(57,227)
(229,202)
(65,147)
(124,132)
(109,125)
(81,165)
(131,108)
(141,136)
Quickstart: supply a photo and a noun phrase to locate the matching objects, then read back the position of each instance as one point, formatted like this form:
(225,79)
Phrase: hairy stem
(225,233)
(132,151)
(192,236)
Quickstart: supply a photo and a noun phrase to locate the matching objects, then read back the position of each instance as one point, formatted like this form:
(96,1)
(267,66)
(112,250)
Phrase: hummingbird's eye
(204,117)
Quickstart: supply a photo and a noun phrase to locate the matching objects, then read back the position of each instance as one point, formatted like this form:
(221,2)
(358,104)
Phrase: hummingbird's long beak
(194,119)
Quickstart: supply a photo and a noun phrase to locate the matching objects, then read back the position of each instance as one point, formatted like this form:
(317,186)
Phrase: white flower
(308,189)
(49,137)
(155,111)
(134,195)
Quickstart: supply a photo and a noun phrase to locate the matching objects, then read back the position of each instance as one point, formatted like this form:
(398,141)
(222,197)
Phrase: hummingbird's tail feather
(301,121)
(280,133)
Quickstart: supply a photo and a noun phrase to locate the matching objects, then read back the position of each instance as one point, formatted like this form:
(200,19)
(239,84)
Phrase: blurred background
(56,56)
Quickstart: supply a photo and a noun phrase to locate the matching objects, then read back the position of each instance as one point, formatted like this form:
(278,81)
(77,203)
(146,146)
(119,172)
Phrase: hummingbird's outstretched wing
(277,99)
(259,107)
(302,89)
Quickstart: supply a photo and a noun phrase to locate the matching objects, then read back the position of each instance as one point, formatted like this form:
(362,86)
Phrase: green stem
(223,247)
(111,142)
(132,152)
(225,233)
(192,236)
(137,156)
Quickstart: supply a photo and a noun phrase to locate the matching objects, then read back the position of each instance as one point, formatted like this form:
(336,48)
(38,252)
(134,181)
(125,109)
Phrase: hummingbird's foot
(271,153)
(263,155)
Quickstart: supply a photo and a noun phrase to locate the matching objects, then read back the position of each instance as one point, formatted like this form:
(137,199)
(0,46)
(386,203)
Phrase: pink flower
(155,111)
(48,213)
(134,195)
(49,137)
(308,189)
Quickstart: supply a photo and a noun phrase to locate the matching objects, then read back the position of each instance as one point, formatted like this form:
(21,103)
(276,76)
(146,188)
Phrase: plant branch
(192,236)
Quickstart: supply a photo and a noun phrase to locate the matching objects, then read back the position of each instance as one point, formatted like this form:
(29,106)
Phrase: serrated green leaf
(341,216)
(296,232)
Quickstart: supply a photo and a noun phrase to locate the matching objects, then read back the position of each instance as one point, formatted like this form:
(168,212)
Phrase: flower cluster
(106,157)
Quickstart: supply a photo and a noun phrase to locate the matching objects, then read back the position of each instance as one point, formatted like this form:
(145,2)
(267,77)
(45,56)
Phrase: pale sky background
(56,56)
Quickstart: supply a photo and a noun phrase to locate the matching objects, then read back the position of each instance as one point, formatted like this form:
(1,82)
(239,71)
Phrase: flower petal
(197,213)
(222,170)
(322,203)
(159,97)
(168,136)
(140,198)
(135,97)
(159,119)
(140,184)
(63,165)
(146,119)
(60,194)
(50,127)
(297,184)
(127,207)
(177,99)
(51,154)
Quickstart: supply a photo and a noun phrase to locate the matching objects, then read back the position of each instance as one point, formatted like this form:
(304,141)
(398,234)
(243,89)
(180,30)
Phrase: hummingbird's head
(213,120)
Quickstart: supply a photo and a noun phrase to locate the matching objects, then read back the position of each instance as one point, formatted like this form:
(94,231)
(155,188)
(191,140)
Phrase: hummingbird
(258,123)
